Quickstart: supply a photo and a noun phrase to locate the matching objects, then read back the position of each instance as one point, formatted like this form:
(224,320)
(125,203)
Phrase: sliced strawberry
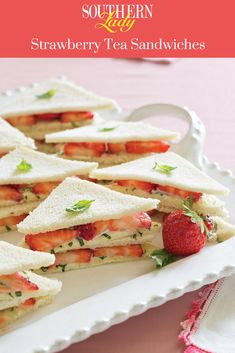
(16,282)
(12,220)
(116,147)
(8,192)
(93,180)
(181,193)
(48,116)
(138,221)
(143,185)
(69,117)
(73,149)
(98,148)
(48,241)
(147,146)
(127,250)
(44,188)
(24,120)
(73,256)
(27,303)
(3,154)
(87,231)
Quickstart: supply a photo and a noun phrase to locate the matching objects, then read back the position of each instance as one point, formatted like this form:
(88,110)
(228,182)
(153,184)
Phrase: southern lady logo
(117,17)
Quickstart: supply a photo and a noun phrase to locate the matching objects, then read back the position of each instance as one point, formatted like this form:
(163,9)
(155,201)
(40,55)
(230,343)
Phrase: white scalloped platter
(94,299)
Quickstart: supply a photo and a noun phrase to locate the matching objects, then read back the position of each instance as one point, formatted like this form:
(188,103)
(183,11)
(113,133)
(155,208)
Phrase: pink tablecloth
(206,86)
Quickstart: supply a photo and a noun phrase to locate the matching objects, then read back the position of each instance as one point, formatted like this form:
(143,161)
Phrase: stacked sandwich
(11,137)
(85,225)
(174,182)
(111,143)
(22,291)
(51,106)
(27,177)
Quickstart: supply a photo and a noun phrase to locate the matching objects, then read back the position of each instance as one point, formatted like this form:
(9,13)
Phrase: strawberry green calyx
(163,258)
(205,222)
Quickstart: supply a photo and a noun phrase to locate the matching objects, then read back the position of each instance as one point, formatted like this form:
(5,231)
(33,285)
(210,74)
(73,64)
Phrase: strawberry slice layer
(127,250)
(12,220)
(24,120)
(44,188)
(48,241)
(73,256)
(147,146)
(70,117)
(150,187)
(10,193)
(16,282)
(181,193)
(85,255)
(136,184)
(74,149)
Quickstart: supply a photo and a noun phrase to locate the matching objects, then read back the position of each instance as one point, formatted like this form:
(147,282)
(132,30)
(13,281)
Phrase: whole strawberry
(184,233)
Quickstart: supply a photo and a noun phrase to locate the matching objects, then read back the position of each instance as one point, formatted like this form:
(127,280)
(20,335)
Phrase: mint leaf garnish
(163,168)
(47,94)
(163,258)
(79,206)
(106,129)
(24,166)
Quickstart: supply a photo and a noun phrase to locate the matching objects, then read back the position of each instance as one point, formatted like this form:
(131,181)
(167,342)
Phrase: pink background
(204,85)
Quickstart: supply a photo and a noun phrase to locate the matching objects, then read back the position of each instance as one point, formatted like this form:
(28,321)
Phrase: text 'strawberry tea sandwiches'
(11,137)
(85,225)
(113,142)
(28,176)
(22,291)
(51,106)
(170,179)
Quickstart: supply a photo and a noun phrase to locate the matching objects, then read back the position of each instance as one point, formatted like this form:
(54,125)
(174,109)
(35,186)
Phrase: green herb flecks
(102,257)
(163,168)
(79,206)
(8,228)
(106,235)
(47,94)
(163,258)
(81,241)
(44,269)
(75,124)
(18,293)
(24,166)
(62,267)
(70,243)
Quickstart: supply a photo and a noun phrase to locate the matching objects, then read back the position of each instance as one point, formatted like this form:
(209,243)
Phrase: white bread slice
(122,132)
(67,97)
(186,176)
(11,137)
(97,261)
(51,215)
(47,287)
(13,314)
(44,167)
(207,205)
(14,259)
(225,230)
